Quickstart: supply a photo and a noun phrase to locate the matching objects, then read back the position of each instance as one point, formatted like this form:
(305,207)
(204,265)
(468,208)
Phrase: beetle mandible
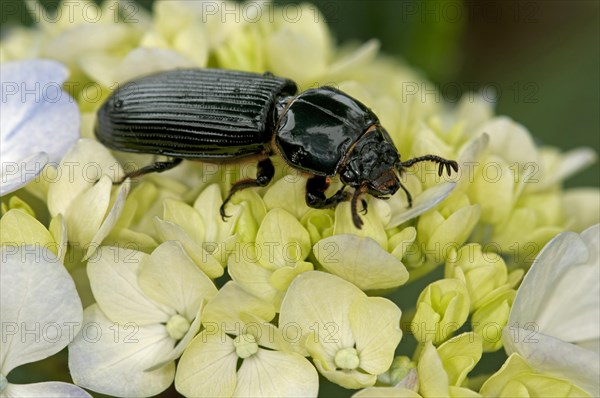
(217,115)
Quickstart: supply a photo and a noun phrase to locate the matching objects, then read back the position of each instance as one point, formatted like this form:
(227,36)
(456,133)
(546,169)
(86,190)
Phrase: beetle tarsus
(264,175)
(408,196)
(365,209)
(156,167)
(443,163)
(315,194)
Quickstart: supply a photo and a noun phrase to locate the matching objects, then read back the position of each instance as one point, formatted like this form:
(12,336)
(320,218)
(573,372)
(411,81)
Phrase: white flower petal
(36,294)
(206,262)
(16,174)
(83,38)
(37,115)
(288,193)
(423,202)
(569,164)
(375,324)
(45,390)
(582,208)
(113,273)
(110,220)
(346,66)
(78,171)
(112,358)
(253,278)
(555,356)
(281,240)
(144,61)
(472,112)
(58,229)
(469,154)
(170,277)
(560,315)
(276,374)
(207,367)
(86,213)
(207,204)
(433,379)
(181,344)
(510,141)
(308,43)
(231,301)
(319,300)
(547,296)
(591,238)
(360,261)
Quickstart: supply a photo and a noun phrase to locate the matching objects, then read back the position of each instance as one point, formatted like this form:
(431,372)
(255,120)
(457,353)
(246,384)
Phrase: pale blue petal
(37,115)
(425,201)
(15,174)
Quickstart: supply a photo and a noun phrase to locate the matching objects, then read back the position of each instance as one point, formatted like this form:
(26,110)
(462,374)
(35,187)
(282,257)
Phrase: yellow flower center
(245,345)
(347,358)
(177,327)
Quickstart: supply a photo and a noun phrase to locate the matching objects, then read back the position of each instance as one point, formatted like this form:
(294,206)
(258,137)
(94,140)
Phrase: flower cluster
(262,303)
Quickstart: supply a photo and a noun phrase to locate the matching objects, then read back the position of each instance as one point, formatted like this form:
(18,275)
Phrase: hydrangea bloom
(261,304)
(145,315)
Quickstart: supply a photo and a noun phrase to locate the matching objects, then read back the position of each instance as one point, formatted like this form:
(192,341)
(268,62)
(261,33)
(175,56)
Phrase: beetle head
(372,165)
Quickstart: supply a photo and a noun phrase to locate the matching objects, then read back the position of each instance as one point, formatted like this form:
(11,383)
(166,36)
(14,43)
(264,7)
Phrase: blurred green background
(542,58)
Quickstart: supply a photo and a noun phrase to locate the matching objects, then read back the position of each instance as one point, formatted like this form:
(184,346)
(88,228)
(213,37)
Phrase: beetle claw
(224,216)
(364,210)
(454,165)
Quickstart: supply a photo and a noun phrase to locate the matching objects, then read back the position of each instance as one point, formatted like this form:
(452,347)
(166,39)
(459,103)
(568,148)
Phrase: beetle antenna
(448,164)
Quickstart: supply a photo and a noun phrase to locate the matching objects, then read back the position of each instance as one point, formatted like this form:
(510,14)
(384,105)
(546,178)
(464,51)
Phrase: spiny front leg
(315,193)
(449,164)
(264,175)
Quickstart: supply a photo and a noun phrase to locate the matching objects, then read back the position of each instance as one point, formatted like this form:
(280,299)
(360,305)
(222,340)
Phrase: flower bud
(446,227)
(481,272)
(442,308)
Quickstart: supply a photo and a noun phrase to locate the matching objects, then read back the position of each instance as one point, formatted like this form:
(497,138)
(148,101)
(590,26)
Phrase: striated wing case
(206,114)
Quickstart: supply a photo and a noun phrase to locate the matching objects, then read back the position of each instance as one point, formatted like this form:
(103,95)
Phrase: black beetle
(219,115)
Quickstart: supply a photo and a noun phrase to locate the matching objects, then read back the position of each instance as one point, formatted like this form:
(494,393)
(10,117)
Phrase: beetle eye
(348,176)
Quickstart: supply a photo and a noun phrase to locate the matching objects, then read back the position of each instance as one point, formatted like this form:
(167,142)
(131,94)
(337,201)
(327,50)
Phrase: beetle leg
(433,158)
(264,175)
(408,195)
(315,193)
(156,167)
(358,222)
